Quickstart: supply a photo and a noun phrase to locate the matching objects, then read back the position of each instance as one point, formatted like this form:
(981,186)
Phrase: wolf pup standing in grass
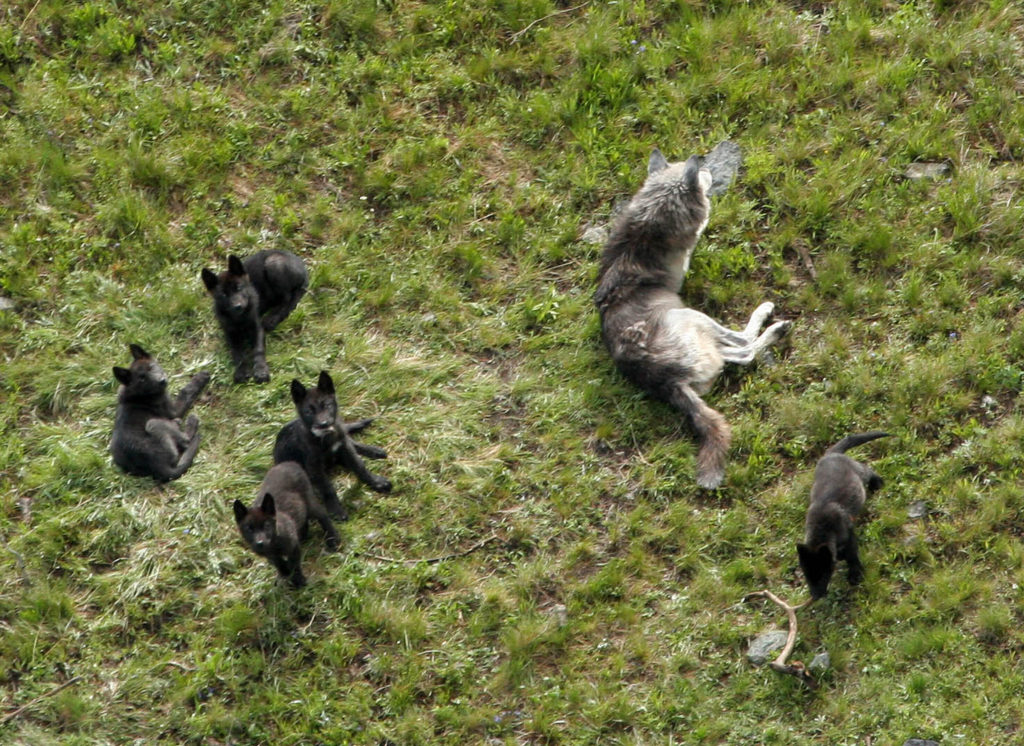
(278,521)
(841,485)
(672,352)
(319,441)
(267,284)
(148,439)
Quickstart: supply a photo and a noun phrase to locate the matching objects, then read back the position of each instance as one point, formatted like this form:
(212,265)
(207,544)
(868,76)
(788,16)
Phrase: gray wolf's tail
(855,440)
(713,431)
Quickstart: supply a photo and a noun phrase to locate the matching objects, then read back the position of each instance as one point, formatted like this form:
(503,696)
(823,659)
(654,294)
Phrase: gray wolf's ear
(298,391)
(690,174)
(210,280)
(235,266)
(137,352)
(240,511)
(123,375)
(656,162)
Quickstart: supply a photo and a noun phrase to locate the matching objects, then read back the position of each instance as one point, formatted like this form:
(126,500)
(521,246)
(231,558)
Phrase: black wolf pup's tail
(713,431)
(855,440)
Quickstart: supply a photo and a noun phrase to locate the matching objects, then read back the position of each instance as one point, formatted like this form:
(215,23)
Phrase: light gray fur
(673,352)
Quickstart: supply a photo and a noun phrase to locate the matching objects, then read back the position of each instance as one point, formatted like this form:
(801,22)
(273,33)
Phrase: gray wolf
(278,521)
(672,352)
(318,440)
(267,284)
(148,439)
(841,485)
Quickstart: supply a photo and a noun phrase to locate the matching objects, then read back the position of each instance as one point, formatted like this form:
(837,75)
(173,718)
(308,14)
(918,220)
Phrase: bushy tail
(713,431)
(855,440)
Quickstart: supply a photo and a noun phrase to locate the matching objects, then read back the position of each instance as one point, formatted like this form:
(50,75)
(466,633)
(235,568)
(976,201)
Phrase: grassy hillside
(546,570)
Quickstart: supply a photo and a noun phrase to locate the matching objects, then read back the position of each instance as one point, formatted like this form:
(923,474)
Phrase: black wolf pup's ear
(209,279)
(137,352)
(268,506)
(298,391)
(240,511)
(325,383)
(235,266)
(656,163)
(123,375)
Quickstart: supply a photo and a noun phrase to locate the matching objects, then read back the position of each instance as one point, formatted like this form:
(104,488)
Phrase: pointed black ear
(240,511)
(268,506)
(325,383)
(656,162)
(123,375)
(690,174)
(298,391)
(235,266)
(874,482)
(209,279)
(137,352)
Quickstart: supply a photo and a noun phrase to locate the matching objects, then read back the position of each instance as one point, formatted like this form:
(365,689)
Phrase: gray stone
(6,304)
(560,614)
(820,664)
(918,509)
(919,171)
(919,742)
(723,162)
(765,644)
(594,234)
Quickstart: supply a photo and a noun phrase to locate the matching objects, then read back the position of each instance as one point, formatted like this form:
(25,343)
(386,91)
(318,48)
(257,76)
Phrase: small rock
(918,509)
(594,234)
(6,304)
(765,644)
(820,664)
(920,742)
(560,614)
(989,402)
(920,171)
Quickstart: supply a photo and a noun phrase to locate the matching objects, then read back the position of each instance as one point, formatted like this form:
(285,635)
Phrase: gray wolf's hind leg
(745,354)
(758,319)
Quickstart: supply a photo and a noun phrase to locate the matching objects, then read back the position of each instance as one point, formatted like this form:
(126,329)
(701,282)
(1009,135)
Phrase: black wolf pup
(841,485)
(319,441)
(268,284)
(278,521)
(673,352)
(148,439)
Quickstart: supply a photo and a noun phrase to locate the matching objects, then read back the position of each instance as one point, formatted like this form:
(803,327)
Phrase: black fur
(278,521)
(148,439)
(319,441)
(267,284)
(841,486)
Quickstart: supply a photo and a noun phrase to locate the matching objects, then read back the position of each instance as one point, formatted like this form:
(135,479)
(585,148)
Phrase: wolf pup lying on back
(279,520)
(148,439)
(319,441)
(672,352)
(267,284)
(841,485)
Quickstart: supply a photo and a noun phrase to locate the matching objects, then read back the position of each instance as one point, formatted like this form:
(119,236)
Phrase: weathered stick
(796,668)
(429,560)
(11,715)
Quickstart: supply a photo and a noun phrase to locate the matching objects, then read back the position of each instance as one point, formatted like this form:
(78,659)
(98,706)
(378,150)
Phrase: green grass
(435,164)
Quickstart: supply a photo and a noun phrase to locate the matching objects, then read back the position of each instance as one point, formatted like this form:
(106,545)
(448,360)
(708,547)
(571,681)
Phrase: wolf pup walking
(148,439)
(841,485)
(672,352)
(319,441)
(267,284)
(278,521)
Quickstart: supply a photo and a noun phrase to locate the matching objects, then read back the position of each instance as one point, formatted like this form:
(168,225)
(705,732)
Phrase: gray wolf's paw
(191,426)
(202,378)
(380,484)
